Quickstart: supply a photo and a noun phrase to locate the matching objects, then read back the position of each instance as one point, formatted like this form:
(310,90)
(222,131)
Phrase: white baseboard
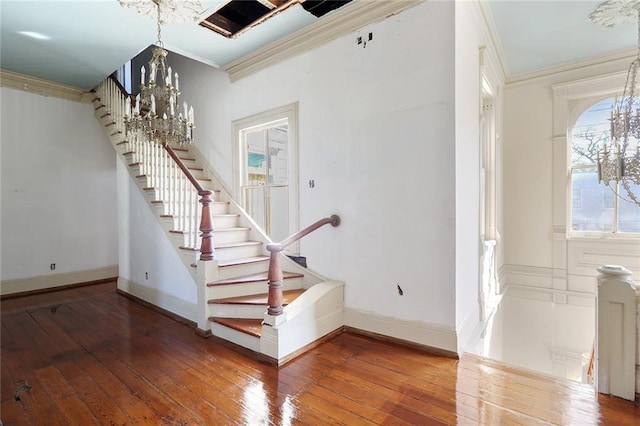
(43,282)
(432,335)
(160,299)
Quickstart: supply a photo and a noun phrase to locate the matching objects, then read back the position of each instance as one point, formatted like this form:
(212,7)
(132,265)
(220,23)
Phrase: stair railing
(166,174)
(275,299)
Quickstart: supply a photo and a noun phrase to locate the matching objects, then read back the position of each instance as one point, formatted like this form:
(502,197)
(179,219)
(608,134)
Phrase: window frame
(587,103)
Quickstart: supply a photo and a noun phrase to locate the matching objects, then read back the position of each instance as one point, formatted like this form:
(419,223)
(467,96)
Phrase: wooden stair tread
(249,326)
(262,276)
(234,262)
(258,299)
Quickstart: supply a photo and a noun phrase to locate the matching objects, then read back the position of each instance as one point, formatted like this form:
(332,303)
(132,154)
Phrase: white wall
(528,174)
(376,132)
(150,266)
(537,250)
(58,192)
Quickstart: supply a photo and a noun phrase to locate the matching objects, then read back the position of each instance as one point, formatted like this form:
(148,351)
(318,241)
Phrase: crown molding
(347,19)
(37,86)
(625,55)
(494,36)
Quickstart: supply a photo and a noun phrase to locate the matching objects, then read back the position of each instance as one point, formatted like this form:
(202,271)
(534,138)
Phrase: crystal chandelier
(619,158)
(157,115)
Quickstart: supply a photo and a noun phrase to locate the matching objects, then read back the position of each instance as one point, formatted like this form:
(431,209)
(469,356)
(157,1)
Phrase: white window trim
(569,102)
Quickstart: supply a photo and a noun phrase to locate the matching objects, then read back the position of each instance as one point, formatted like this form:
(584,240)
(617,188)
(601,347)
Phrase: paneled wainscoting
(91,356)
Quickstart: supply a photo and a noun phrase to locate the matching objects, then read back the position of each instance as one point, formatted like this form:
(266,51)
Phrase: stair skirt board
(235,336)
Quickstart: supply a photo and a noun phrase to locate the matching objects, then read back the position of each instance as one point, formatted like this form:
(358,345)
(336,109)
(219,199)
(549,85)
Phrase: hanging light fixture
(157,114)
(619,158)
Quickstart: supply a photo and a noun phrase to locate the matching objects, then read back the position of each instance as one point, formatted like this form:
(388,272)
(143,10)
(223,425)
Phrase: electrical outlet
(146,275)
(52,266)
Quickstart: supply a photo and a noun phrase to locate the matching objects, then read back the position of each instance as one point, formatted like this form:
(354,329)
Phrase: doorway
(266,169)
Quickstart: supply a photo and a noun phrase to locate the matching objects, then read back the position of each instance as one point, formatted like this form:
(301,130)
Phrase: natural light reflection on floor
(530,330)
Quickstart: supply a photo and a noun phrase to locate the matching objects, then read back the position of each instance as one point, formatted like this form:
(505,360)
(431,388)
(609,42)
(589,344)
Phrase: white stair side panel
(316,313)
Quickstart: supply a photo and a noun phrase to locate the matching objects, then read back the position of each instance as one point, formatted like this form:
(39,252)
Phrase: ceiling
(89,39)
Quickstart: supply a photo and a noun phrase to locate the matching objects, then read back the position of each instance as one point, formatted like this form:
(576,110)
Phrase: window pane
(628,211)
(591,130)
(593,213)
(278,154)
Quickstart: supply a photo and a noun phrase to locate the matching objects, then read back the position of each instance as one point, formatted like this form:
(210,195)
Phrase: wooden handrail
(275,276)
(184,168)
(334,220)
(206,221)
(120,86)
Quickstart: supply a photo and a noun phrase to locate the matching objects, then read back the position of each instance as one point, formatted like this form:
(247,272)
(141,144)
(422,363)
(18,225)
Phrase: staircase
(233,286)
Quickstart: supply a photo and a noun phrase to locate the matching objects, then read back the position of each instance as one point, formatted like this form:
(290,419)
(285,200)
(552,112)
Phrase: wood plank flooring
(90,356)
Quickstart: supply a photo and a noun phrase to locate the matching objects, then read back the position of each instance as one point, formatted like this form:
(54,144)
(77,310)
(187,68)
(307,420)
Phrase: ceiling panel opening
(238,16)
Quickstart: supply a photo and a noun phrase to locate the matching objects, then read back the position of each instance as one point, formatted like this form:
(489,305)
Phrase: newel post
(206,226)
(275,298)
(616,332)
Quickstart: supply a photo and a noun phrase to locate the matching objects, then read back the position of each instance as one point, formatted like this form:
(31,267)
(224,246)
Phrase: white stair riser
(240,252)
(219,208)
(165,208)
(225,221)
(246,289)
(243,269)
(174,224)
(181,240)
(230,236)
(189,256)
(242,339)
(237,311)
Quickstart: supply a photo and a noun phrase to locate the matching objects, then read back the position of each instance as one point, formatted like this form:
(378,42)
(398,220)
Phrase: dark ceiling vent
(238,16)
(320,8)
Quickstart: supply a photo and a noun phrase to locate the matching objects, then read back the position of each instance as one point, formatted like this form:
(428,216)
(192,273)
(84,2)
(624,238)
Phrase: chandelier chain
(159,42)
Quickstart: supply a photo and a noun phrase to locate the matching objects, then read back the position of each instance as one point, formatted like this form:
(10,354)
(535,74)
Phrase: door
(267,165)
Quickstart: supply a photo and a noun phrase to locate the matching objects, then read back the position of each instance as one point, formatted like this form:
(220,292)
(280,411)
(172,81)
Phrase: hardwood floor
(89,356)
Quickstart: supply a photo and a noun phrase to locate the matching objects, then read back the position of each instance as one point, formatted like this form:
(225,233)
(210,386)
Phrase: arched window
(595,208)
